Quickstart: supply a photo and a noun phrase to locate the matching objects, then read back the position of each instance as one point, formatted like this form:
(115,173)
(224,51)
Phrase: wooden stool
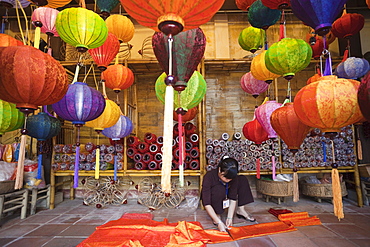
(14,200)
(37,195)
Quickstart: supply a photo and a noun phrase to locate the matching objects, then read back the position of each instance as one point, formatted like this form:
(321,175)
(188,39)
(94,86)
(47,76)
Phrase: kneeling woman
(222,189)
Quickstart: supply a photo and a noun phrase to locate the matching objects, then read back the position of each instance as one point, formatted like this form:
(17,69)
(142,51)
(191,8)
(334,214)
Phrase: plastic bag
(30,175)
(7,170)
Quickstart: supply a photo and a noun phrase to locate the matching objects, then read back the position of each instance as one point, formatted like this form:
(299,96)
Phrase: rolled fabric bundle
(209,149)
(194,165)
(194,139)
(176,153)
(119,165)
(90,158)
(119,156)
(147,158)
(187,158)
(176,129)
(72,157)
(54,166)
(186,166)
(74,148)
(65,158)
(209,141)
(222,143)
(57,157)
(119,148)
(189,129)
(109,158)
(131,152)
(81,166)
(158,157)
(103,148)
(188,146)
(160,165)
(194,153)
(152,165)
(154,148)
(150,138)
(65,166)
(215,143)
(217,150)
(89,147)
(133,141)
(83,156)
(111,149)
(138,157)
(177,139)
(143,147)
(160,140)
(58,148)
(174,165)
(67,149)
(88,166)
(174,143)
(103,166)
(225,136)
(140,166)
(237,136)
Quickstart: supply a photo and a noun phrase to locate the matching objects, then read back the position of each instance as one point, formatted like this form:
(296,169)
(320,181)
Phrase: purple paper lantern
(121,129)
(263,114)
(253,86)
(318,14)
(352,68)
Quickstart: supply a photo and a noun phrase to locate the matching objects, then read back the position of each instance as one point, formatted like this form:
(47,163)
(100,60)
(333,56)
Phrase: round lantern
(260,16)
(51,3)
(318,14)
(254,132)
(263,115)
(252,86)
(187,51)
(313,78)
(259,70)
(252,39)
(172,16)
(106,6)
(7,40)
(352,68)
(122,128)
(288,56)
(276,4)
(328,104)
(348,25)
(244,4)
(81,28)
(45,18)
(121,26)
(108,118)
(10,117)
(42,126)
(188,116)
(104,54)
(288,126)
(363,97)
(80,104)
(30,78)
(190,97)
(118,77)
(14,4)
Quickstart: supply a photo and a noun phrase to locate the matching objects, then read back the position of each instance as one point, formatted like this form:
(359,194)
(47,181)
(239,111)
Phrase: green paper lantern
(288,56)
(190,97)
(10,117)
(252,39)
(81,28)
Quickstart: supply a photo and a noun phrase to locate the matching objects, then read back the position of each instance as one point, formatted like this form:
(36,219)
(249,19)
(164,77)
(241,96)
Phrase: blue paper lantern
(42,126)
(260,16)
(121,129)
(352,68)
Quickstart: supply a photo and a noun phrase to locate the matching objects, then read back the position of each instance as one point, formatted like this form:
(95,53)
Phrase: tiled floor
(71,222)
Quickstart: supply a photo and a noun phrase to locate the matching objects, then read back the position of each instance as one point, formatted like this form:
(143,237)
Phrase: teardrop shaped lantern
(7,40)
(363,97)
(254,132)
(106,6)
(328,104)
(288,126)
(288,56)
(122,128)
(45,18)
(190,97)
(259,70)
(108,118)
(348,25)
(260,16)
(10,117)
(187,51)
(251,85)
(42,126)
(263,115)
(352,68)
(121,26)
(318,14)
(81,28)
(188,116)
(104,54)
(244,4)
(276,4)
(118,77)
(252,39)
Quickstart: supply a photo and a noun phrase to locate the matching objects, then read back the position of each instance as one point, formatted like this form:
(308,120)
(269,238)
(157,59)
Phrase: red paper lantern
(7,40)
(276,4)
(188,116)
(288,126)
(118,77)
(105,53)
(363,96)
(244,4)
(254,131)
(348,25)
(317,47)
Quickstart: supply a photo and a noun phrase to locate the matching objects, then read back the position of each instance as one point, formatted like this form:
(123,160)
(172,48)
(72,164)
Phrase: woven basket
(320,190)
(7,186)
(275,188)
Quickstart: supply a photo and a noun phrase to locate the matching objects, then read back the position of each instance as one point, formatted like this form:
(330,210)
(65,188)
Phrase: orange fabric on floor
(299,219)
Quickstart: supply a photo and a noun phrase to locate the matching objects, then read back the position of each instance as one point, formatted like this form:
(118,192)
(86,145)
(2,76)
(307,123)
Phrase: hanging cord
(19,22)
(87,74)
(4,20)
(282,32)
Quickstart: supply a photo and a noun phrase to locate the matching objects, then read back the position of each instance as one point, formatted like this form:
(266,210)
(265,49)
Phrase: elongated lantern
(104,54)
(106,6)
(252,39)
(288,56)
(121,26)
(81,28)
(263,115)
(118,77)
(251,85)
(260,16)
(10,117)
(259,70)
(352,68)
(254,132)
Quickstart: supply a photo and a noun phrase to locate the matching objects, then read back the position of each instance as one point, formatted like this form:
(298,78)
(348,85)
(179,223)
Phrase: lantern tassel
(258,167)
(359,150)
(295,187)
(273,167)
(97,162)
(324,150)
(115,167)
(36,42)
(77,166)
(181,151)
(345,55)
(39,166)
(336,188)
(20,166)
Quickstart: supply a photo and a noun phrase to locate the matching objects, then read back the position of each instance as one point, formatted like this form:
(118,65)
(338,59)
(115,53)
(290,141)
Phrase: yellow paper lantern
(259,70)
(108,118)
(121,26)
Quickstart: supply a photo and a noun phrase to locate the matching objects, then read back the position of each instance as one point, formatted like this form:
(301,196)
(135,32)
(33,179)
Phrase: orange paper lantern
(121,26)
(118,77)
(188,116)
(7,40)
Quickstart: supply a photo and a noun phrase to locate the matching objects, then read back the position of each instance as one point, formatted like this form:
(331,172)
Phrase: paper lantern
(118,77)
(104,54)
(288,56)
(122,128)
(252,39)
(254,132)
(13,4)
(288,126)
(317,46)
(348,25)
(172,15)
(10,117)
(30,78)
(42,126)
(263,114)
(80,104)
(190,97)
(363,97)
(253,86)
(276,4)
(313,78)
(187,51)
(121,26)
(352,68)
(259,70)
(81,28)
(244,4)
(328,104)
(260,16)
(51,3)
(45,18)
(318,14)
(7,40)
(108,118)
(188,116)
(106,6)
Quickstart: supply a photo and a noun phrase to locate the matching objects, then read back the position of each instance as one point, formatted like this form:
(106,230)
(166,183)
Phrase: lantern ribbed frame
(263,115)
(352,68)
(42,126)
(260,16)
(259,69)
(108,118)
(118,77)
(121,129)
(251,85)
(47,16)
(121,26)
(252,39)
(10,117)
(348,25)
(104,54)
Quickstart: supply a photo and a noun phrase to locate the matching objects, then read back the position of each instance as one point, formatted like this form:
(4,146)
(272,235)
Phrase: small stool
(37,195)
(14,200)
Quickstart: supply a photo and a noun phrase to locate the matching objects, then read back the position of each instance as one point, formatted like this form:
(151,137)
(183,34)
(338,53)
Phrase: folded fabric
(277,212)
(299,219)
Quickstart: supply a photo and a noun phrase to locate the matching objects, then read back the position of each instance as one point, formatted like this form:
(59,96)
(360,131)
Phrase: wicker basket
(7,186)
(275,188)
(320,190)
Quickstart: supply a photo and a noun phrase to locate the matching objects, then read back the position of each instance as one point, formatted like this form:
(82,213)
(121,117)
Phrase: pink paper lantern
(46,17)
(253,86)
(263,115)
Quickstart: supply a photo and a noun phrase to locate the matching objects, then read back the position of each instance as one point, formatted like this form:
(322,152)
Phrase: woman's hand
(221,226)
(229,222)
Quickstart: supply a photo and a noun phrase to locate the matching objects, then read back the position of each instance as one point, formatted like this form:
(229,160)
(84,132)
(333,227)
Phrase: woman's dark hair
(229,167)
